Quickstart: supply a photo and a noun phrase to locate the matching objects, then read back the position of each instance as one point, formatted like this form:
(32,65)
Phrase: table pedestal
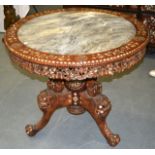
(76,96)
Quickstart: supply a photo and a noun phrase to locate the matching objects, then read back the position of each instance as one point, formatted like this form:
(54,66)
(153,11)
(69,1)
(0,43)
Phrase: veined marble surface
(76,32)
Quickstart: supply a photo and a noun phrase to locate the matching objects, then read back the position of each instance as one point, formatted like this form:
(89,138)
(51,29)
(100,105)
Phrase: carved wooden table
(73,48)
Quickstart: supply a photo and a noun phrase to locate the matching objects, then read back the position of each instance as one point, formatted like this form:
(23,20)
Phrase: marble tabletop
(69,33)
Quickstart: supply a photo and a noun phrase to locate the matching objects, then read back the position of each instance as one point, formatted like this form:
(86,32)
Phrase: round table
(73,48)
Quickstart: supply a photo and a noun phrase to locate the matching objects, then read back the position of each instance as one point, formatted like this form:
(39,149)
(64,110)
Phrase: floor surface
(132,116)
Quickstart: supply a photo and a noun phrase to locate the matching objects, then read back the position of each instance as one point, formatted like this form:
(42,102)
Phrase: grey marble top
(76,32)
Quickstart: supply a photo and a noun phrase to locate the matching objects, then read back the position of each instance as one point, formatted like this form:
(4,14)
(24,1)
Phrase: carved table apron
(73,48)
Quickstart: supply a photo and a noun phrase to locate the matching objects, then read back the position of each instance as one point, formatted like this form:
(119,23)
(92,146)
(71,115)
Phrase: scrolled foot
(113,139)
(30,130)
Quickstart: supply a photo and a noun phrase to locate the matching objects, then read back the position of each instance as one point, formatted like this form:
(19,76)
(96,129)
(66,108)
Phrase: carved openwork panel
(74,73)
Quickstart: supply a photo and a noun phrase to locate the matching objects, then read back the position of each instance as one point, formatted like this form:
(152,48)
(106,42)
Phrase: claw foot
(113,139)
(30,130)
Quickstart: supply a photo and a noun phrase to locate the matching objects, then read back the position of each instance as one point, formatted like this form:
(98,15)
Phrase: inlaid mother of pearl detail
(69,33)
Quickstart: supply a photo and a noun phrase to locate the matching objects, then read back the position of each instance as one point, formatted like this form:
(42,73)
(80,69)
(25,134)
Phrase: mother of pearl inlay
(76,32)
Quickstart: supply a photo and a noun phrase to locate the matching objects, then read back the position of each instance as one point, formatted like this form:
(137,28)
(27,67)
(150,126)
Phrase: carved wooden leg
(48,105)
(10,16)
(48,101)
(99,107)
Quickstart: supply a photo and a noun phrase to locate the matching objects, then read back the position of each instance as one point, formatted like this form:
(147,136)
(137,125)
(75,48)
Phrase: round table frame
(73,78)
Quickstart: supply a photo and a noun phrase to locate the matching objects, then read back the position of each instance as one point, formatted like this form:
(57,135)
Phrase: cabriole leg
(99,106)
(48,101)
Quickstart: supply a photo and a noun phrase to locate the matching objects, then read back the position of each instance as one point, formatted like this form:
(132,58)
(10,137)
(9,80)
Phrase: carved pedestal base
(77,96)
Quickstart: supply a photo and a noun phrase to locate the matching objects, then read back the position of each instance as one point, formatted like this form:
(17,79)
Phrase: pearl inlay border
(22,51)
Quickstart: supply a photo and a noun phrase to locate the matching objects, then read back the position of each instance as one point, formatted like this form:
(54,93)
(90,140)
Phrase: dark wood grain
(10,16)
